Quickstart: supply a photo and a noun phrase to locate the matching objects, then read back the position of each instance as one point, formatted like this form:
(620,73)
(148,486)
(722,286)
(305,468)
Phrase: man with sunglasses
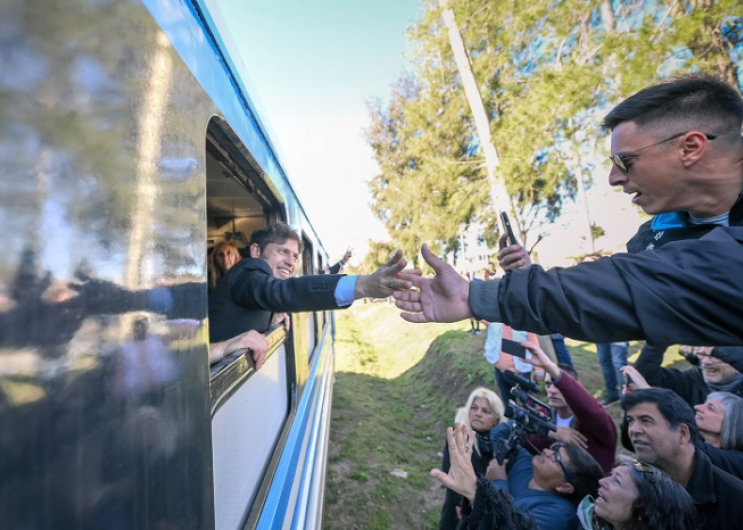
(548,486)
(676,148)
(663,432)
(718,371)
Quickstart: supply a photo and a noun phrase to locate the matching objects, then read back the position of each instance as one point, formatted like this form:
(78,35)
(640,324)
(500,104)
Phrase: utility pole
(498,195)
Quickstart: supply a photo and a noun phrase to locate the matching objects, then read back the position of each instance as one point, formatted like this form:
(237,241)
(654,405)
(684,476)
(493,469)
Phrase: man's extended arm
(650,366)
(669,295)
(253,285)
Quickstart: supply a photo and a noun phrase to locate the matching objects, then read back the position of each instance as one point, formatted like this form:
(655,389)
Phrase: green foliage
(547,72)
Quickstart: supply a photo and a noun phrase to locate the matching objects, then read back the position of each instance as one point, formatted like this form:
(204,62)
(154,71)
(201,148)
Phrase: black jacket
(249,293)
(728,460)
(684,291)
(717,495)
(689,384)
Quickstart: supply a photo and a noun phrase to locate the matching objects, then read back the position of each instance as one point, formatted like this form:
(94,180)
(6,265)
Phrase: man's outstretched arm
(443,298)
(674,294)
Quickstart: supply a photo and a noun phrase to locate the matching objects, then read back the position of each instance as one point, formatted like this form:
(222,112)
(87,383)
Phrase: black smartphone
(513,348)
(507,227)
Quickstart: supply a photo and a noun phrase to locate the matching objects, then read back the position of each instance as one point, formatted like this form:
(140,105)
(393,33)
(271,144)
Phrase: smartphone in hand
(508,229)
(513,348)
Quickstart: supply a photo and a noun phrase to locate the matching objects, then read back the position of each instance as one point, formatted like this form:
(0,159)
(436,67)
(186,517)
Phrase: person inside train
(255,288)
(223,257)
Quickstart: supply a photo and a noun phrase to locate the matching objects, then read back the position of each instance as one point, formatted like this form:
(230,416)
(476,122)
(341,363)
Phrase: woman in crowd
(637,496)
(720,421)
(634,496)
(483,411)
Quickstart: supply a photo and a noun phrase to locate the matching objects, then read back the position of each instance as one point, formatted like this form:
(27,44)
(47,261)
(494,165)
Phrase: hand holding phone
(514,348)
(508,228)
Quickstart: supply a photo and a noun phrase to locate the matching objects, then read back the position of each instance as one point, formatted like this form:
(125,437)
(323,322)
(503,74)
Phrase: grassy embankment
(397,388)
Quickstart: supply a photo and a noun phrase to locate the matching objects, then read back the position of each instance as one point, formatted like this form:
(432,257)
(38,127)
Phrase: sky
(311,67)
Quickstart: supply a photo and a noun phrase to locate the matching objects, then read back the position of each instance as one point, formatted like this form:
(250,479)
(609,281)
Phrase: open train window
(240,200)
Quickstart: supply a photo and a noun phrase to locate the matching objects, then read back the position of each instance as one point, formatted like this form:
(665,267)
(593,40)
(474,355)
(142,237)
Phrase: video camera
(529,415)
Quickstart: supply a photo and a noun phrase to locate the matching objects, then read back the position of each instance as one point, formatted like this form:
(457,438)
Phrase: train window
(238,202)
(308,268)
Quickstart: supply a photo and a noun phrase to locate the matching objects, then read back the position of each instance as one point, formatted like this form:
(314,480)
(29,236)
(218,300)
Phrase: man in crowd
(713,374)
(580,418)
(255,287)
(663,432)
(677,148)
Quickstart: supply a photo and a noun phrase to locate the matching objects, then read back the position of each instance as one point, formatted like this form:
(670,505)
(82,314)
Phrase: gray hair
(731,435)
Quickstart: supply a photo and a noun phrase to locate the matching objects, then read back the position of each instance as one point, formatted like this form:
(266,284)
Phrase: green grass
(398,386)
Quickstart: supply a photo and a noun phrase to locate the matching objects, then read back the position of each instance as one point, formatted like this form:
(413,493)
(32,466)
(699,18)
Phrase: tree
(547,73)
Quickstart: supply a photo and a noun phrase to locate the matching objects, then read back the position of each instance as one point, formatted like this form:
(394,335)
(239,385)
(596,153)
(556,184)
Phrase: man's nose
(616,177)
(634,428)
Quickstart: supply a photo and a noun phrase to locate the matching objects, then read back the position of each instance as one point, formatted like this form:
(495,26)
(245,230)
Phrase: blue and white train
(128,146)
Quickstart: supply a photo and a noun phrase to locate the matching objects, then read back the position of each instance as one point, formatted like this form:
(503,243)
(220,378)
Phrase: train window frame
(231,169)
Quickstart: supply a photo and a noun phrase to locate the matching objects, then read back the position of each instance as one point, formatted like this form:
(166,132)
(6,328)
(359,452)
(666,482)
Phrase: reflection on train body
(127,144)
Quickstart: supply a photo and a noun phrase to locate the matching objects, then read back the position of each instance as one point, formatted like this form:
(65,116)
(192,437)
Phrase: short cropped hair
(731,436)
(278,233)
(585,473)
(675,410)
(697,99)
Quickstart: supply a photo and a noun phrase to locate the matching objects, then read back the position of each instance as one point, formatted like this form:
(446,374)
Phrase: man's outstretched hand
(443,298)
(384,281)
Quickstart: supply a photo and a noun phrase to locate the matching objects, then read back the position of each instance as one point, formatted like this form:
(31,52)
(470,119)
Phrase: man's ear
(694,146)
(566,488)
(684,434)
(255,250)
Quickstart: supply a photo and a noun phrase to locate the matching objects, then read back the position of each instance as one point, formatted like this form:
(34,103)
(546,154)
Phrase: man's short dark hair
(675,410)
(695,97)
(585,473)
(278,233)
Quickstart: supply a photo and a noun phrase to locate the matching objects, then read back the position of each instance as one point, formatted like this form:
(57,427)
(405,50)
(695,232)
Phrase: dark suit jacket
(249,293)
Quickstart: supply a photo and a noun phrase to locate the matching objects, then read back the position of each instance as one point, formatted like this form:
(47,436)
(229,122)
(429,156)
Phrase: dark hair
(275,233)
(585,473)
(675,410)
(661,503)
(498,510)
(569,369)
(684,98)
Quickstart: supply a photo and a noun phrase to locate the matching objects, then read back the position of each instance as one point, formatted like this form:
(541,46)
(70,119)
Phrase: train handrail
(228,375)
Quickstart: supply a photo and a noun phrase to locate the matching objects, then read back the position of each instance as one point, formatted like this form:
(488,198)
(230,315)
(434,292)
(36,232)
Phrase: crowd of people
(677,147)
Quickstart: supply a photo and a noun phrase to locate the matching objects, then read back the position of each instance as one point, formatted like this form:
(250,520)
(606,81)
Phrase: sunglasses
(641,466)
(621,161)
(555,447)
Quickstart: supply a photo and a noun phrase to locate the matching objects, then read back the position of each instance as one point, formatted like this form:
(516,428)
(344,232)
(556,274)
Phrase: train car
(129,146)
